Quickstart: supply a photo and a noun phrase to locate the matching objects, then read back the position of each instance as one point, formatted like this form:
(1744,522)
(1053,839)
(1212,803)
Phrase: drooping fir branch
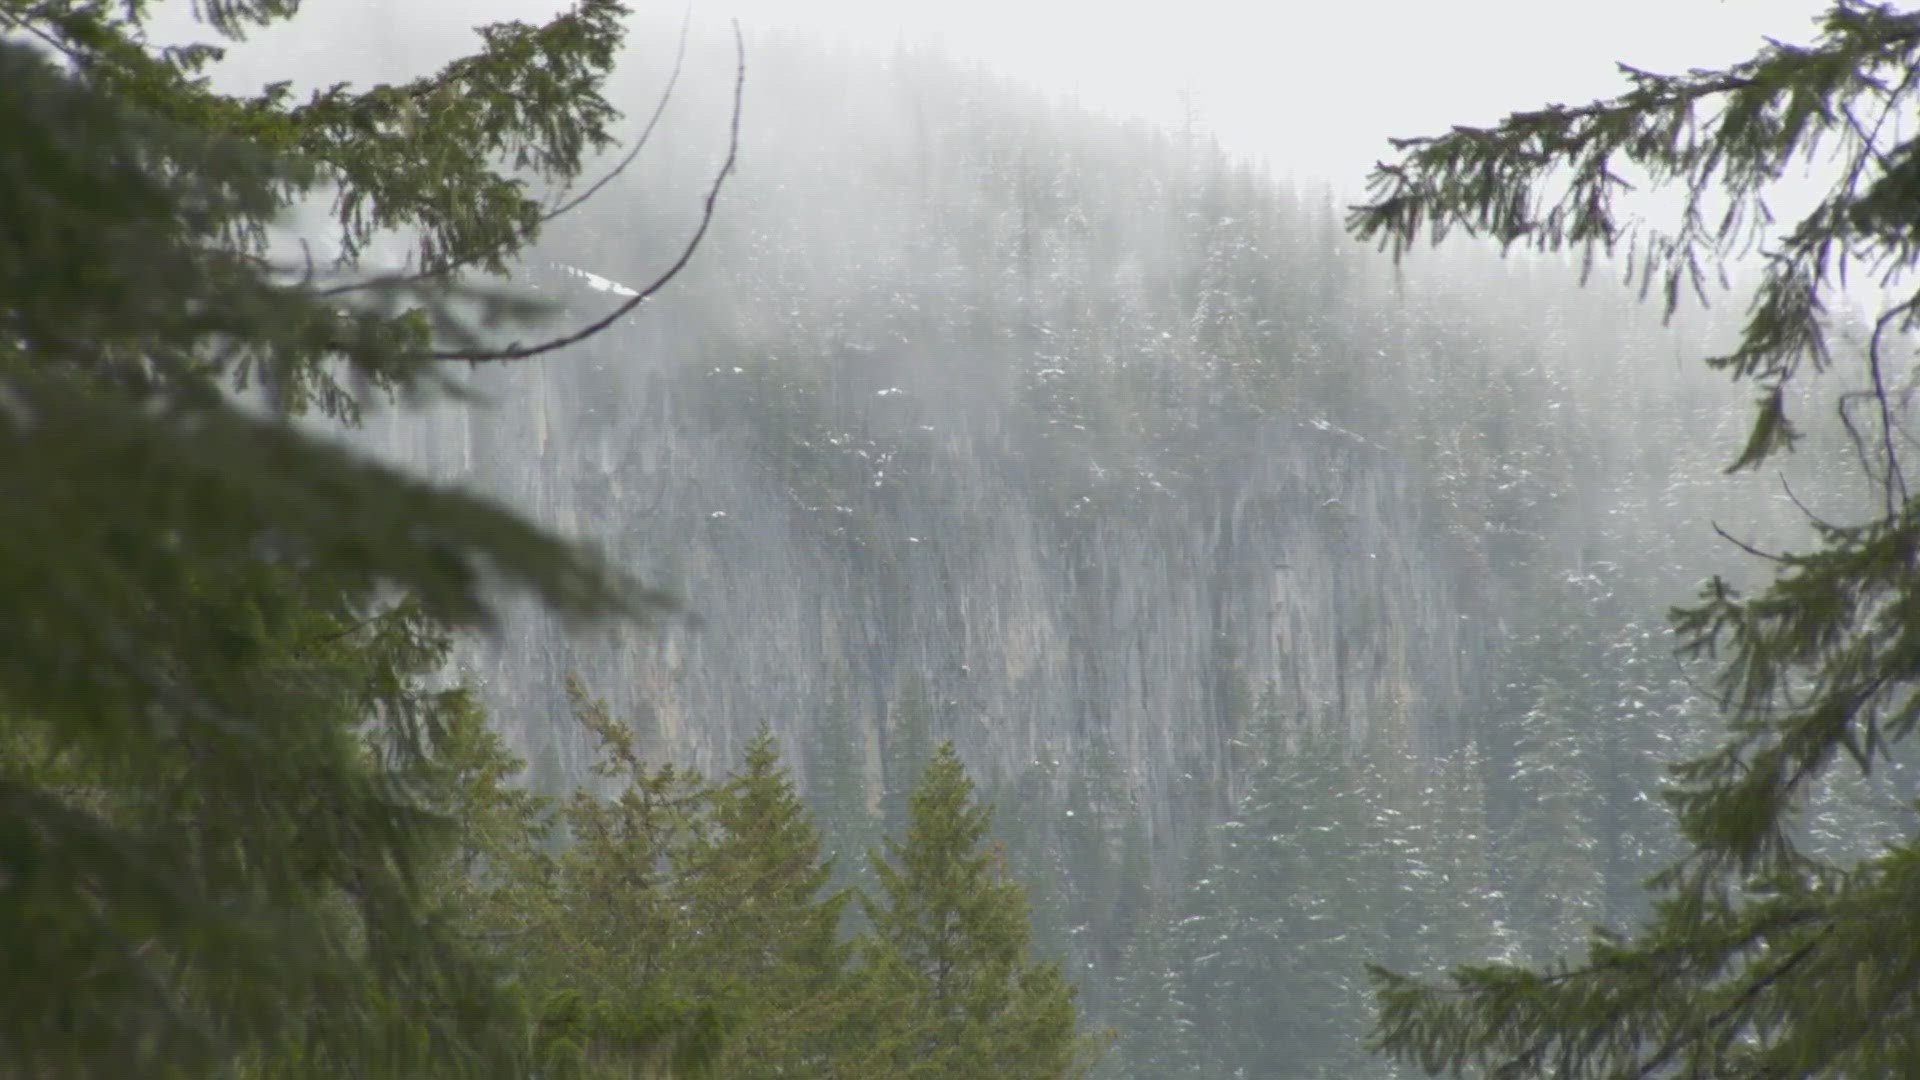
(197,851)
(1760,960)
(1553,179)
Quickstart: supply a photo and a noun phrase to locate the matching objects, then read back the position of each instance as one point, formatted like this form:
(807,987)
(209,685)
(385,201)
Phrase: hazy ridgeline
(1301,613)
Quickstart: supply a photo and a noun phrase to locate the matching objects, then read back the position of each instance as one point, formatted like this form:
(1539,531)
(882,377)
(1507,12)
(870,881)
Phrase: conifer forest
(615,547)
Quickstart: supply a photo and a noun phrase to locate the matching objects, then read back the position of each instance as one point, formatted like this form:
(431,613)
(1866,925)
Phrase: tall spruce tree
(762,942)
(952,990)
(205,859)
(601,932)
(1764,955)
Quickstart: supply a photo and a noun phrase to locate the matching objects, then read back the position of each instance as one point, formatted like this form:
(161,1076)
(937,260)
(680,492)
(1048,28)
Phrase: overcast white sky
(1314,87)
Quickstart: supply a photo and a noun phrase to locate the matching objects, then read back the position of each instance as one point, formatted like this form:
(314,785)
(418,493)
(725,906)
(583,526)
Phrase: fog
(1313,89)
(1029,394)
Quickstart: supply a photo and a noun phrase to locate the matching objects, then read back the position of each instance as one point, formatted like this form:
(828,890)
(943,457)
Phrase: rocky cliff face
(1086,435)
(1307,565)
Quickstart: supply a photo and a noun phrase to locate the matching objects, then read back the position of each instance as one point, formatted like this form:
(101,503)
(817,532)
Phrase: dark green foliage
(604,924)
(217,745)
(765,943)
(688,927)
(1770,950)
(682,925)
(957,994)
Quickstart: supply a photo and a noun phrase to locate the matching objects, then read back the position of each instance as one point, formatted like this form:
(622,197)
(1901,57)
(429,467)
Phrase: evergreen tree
(1303,907)
(1553,846)
(760,939)
(687,928)
(1197,937)
(1155,1032)
(208,861)
(501,851)
(951,986)
(1762,957)
(606,927)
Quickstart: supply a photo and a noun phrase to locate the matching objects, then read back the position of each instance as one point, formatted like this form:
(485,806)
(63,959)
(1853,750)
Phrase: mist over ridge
(1081,427)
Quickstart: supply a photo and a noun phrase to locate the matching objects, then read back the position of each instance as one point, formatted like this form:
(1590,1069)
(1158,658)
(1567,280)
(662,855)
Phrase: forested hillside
(1296,614)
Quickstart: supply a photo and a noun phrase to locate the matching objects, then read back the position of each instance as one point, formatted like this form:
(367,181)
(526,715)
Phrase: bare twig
(523,352)
(659,107)
(633,152)
(1855,438)
(1895,486)
(1746,547)
(1816,519)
